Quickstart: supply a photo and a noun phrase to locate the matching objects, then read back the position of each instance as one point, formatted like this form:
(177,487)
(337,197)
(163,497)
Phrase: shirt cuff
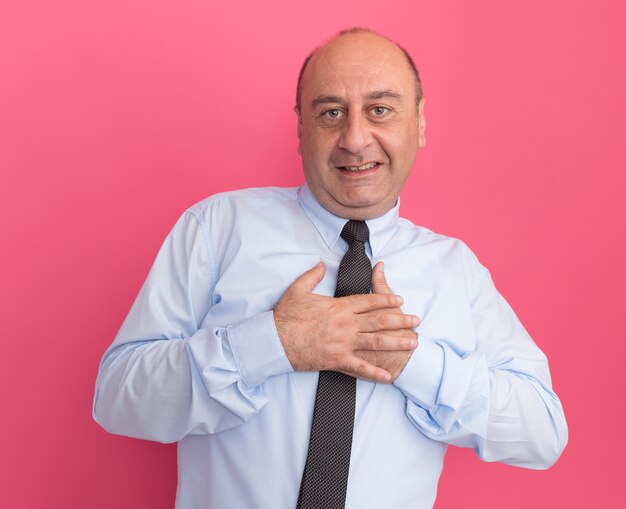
(421,377)
(257,349)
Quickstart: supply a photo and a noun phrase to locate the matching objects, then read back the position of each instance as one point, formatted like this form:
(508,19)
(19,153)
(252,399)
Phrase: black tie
(325,478)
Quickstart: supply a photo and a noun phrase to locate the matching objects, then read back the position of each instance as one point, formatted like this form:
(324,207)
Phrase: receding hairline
(359,30)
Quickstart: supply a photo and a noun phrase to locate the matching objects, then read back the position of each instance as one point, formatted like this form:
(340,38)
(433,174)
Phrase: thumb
(309,280)
(379,281)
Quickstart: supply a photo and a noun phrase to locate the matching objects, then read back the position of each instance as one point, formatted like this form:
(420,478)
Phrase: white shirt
(198,360)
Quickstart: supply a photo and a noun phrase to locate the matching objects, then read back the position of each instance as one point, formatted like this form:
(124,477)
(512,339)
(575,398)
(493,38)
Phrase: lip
(360,173)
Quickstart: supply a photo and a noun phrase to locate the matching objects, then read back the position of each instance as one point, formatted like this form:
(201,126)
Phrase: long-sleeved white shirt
(198,360)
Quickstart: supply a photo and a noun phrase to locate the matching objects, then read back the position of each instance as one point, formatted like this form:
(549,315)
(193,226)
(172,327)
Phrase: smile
(363,167)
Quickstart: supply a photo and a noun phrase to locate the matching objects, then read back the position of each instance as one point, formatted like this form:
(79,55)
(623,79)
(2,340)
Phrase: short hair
(359,30)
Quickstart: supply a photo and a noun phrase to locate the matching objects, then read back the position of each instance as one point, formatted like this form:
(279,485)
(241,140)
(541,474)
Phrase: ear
(299,131)
(421,124)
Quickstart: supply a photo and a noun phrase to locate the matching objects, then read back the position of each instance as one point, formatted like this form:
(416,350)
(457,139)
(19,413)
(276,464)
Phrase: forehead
(356,65)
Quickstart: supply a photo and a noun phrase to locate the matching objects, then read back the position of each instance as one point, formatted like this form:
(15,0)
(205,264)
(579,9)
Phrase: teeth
(366,166)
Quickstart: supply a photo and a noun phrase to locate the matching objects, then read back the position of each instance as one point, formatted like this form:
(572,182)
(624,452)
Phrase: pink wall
(115,115)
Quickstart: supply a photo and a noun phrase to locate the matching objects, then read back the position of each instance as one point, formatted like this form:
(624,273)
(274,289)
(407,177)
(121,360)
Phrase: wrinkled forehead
(355,65)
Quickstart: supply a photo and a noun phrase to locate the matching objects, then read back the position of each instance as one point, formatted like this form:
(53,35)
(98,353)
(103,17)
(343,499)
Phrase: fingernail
(399,300)
(387,377)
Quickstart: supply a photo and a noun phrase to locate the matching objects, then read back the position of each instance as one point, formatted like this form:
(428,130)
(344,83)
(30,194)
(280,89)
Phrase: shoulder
(414,234)
(241,201)
(445,249)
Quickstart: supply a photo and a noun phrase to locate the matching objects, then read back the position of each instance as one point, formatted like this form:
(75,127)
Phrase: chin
(366,200)
(362,209)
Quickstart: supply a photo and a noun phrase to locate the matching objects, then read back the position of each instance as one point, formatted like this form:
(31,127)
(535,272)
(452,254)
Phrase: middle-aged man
(237,348)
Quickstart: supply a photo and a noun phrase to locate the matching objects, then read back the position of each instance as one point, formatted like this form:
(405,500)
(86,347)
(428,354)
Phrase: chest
(254,271)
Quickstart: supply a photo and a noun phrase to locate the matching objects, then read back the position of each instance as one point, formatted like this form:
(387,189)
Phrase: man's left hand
(391,361)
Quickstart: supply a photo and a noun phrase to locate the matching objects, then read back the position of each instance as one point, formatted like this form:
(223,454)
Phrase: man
(223,348)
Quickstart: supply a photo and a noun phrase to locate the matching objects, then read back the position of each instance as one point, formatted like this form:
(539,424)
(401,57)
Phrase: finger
(404,339)
(379,281)
(307,282)
(371,302)
(377,321)
(359,368)
(407,333)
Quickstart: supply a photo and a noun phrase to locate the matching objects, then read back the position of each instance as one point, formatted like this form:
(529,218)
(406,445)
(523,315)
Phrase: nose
(355,135)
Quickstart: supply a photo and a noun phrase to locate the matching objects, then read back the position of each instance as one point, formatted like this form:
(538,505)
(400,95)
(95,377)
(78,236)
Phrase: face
(359,125)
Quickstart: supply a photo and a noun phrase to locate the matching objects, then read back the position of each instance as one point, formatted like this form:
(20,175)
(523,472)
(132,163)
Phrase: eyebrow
(333,99)
(380,94)
(326,99)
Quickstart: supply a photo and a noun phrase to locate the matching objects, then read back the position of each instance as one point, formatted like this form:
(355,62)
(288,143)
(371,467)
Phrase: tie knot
(355,230)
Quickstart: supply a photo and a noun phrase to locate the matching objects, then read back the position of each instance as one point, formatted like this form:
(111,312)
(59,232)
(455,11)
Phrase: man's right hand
(323,333)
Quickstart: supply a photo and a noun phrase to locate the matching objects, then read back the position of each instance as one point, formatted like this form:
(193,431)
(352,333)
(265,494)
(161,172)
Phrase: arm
(497,399)
(165,375)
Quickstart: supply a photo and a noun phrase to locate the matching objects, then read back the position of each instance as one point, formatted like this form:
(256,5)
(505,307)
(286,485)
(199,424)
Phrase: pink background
(116,115)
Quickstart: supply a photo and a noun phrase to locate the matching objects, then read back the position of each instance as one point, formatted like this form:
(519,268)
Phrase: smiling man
(268,343)
(361,122)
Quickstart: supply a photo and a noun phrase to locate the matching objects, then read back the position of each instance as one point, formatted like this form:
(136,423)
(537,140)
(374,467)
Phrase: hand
(391,361)
(323,333)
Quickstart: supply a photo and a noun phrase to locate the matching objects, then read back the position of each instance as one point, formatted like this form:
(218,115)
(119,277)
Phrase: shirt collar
(329,225)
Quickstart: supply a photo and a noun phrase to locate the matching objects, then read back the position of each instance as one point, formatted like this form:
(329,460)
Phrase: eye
(379,111)
(333,113)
